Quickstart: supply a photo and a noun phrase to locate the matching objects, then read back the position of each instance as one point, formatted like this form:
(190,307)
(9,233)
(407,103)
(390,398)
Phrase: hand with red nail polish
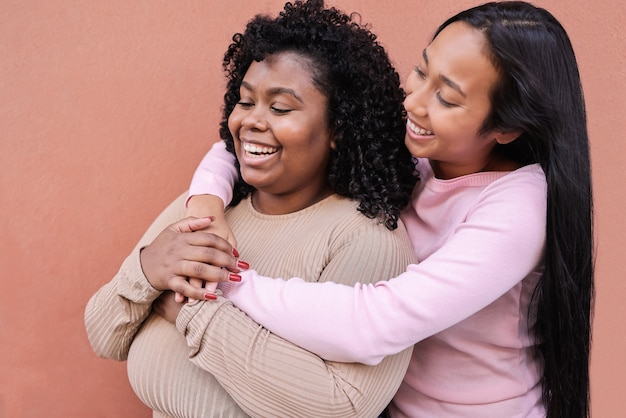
(184,250)
(202,205)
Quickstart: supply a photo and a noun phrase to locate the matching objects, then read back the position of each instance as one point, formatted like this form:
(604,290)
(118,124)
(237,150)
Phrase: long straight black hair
(541,94)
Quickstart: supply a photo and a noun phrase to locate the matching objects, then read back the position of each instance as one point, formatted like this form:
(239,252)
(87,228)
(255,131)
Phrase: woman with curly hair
(313,114)
(365,113)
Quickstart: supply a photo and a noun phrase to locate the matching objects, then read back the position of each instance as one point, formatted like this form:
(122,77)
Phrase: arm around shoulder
(389,316)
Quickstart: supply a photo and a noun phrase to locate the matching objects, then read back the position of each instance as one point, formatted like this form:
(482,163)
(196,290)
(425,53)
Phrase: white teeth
(417,130)
(257,150)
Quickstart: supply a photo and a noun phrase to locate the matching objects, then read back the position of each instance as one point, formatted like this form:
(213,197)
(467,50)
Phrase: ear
(508,137)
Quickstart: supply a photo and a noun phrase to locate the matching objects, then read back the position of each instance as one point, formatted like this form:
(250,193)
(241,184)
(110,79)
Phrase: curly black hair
(365,111)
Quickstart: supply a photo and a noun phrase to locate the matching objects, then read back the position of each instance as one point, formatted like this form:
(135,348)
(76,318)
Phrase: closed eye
(444,101)
(419,72)
(279,111)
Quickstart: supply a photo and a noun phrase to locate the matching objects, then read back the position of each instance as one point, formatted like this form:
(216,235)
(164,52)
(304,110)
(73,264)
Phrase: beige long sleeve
(115,313)
(264,374)
(281,379)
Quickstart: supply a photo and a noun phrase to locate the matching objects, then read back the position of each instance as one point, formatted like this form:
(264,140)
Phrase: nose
(415,100)
(255,119)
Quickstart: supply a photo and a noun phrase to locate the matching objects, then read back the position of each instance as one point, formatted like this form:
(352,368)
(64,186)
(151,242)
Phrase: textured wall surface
(107,107)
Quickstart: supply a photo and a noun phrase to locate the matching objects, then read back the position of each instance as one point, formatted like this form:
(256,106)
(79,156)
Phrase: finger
(198,283)
(192,292)
(180,298)
(199,247)
(207,239)
(207,272)
(212,256)
(210,287)
(191,224)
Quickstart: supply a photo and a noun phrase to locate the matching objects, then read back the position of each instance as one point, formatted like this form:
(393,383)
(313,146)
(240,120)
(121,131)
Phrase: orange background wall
(107,107)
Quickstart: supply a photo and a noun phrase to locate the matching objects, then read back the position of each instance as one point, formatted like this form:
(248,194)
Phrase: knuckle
(198,269)
(210,253)
(179,287)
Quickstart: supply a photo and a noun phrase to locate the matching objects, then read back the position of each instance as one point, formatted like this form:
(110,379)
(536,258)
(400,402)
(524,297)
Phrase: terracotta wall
(105,110)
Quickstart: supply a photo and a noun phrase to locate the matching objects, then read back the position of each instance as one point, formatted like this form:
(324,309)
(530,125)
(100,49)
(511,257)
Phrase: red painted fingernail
(210,296)
(243,265)
(235,252)
(234,277)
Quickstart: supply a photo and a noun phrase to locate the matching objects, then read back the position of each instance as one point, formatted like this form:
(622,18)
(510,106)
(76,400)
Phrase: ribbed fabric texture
(219,363)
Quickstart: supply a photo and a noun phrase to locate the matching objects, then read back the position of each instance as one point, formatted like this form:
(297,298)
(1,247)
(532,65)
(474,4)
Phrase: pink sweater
(480,241)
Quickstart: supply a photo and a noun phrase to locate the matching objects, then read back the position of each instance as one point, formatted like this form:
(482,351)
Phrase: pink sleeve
(216,174)
(365,323)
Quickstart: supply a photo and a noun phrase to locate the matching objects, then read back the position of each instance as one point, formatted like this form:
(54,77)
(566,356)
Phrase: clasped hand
(184,251)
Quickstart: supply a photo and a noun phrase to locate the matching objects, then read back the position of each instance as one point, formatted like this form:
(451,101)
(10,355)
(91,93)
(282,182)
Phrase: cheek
(321,142)
(409,84)
(233,123)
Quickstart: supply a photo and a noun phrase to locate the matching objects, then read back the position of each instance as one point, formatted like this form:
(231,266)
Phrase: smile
(258,151)
(417,130)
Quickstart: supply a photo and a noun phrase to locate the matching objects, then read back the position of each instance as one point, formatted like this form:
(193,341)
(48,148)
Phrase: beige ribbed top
(219,363)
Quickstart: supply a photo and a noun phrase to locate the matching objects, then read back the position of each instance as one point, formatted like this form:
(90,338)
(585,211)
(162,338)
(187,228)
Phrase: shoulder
(351,227)
(526,185)
(362,249)
(530,174)
(343,213)
(515,204)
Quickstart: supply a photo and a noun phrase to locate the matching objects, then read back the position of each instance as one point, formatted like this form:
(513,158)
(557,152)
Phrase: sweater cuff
(134,285)
(194,318)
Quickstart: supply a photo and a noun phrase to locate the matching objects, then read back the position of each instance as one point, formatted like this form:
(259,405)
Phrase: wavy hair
(370,163)
(540,93)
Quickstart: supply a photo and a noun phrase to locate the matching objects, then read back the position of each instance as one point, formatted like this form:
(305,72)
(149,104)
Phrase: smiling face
(281,134)
(448,100)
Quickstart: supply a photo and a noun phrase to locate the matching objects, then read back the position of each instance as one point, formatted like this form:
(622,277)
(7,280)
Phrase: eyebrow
(275,91)
(445,79)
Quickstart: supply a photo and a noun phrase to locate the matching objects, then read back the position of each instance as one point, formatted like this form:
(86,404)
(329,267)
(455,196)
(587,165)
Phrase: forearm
(203,205)
(216,175)
(115,313)
(366,322)
(259,369)
(326,309)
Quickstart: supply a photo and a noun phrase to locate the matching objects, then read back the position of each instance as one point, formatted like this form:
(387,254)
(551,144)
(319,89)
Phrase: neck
(280,204)
(445,171)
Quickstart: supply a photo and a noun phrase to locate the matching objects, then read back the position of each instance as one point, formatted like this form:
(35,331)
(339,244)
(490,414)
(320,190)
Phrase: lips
(253,150)
(418,130)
